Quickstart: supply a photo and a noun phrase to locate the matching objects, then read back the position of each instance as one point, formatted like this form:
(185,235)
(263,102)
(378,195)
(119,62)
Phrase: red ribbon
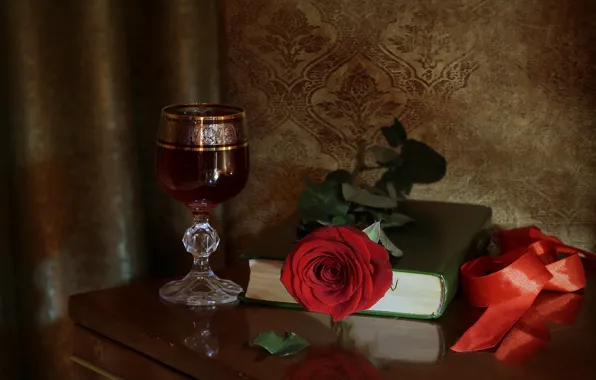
(509,285)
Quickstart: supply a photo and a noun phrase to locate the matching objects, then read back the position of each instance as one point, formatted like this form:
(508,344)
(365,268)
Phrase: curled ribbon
(509,285)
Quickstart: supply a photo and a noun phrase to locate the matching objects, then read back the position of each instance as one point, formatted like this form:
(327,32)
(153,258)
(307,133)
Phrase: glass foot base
(200,290)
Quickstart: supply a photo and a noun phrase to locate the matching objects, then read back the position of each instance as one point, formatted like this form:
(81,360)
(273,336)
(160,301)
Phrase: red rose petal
(382,273)
(330,273)
(316,267)
(345,286)
(355,285)
(311,302)
(321,274)
(352,305)
(303,260)
(286,279)
(304,295)
(372,288)
(297,288)
(309,262)
(291,276)
(298,255)
(377,251)
(366,293)
(356,239)
(359,299)
(324,233)
(351,276)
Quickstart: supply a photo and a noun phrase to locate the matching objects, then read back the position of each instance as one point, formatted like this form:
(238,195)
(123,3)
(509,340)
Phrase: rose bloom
(337,271)
(333,364)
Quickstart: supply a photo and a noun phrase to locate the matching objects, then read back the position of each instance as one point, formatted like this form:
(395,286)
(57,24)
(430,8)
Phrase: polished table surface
(215,343)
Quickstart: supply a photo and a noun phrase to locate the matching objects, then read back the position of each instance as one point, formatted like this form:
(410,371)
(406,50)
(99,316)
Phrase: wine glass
(202,161)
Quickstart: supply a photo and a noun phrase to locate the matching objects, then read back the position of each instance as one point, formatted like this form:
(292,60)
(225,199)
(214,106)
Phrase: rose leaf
(375,190)
(373,231)
(395,134)
(364,197)
(389,246)
(391,190)
(396,220)
(343,220)
(377,215)
(383,155)
(377,235)
(281,345)
(319,201)
(387,219)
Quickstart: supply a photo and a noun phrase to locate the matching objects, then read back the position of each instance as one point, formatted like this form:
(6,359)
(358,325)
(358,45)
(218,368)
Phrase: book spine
(450,277)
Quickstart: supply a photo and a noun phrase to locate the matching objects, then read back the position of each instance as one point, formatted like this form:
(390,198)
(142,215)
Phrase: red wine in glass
(202,160)
(202,178)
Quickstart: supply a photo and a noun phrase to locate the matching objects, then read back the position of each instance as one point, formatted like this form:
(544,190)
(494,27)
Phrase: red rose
(333,363)
(337,271)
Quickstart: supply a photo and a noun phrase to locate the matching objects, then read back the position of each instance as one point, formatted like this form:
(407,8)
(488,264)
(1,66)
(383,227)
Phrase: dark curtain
(83,84)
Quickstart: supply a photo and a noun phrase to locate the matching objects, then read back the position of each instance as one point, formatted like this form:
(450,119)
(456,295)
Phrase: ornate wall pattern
(504,90)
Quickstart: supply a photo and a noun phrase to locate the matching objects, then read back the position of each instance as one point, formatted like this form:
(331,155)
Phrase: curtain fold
(8,327)
(86,83)
(9,341)
(173,56)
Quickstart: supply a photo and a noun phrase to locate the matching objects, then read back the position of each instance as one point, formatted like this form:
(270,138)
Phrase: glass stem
(201,240)
(201,265)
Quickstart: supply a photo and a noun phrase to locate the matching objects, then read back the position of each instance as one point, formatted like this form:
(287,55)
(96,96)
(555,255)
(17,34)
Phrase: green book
(442,237)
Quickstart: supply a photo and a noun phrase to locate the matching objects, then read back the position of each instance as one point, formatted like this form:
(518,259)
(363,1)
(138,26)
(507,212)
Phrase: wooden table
(129,333)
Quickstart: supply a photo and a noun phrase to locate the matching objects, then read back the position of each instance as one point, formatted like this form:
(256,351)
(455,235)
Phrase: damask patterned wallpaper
(505,90)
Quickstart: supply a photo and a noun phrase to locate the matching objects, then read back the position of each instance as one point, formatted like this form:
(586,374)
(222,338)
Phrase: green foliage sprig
(341,200)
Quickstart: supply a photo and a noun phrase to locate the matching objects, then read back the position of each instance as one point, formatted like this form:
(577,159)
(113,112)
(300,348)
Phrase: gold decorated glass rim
(203,111)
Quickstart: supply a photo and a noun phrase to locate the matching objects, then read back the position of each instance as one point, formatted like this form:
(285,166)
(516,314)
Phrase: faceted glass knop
(201,239)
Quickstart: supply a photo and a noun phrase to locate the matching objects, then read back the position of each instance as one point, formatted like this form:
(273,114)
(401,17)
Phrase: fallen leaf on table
(280,345)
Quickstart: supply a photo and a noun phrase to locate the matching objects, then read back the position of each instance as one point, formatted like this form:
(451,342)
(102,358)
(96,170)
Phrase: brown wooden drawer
(96,357)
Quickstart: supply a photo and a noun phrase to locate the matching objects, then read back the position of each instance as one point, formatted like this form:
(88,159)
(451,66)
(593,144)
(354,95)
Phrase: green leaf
(396,220)
(389,246)
(364,197)
(377,214)
(395,177)
(288,344)
(373,231)
(344,220)
(388,219)
(321,200)
(421,163)
(395,134)
(375,190)
(383,155)
(391,190)
(339,176)
(376,234)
